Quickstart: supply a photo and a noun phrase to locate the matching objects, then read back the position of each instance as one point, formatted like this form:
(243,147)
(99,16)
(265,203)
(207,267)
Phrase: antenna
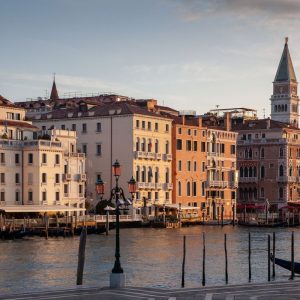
(264,110)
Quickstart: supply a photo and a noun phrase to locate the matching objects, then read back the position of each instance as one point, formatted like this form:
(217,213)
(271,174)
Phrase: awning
(176,206)
(38,208)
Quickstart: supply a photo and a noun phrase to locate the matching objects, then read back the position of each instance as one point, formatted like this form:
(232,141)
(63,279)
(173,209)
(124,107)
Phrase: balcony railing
(217,183)
(81,177)
(151,155)
(168,186)
(248,179)
(167,157)
(67,177)
(158,186)
(287,178)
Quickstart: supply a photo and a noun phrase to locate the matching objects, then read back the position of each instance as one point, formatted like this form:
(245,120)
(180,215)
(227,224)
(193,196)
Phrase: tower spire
(54,93)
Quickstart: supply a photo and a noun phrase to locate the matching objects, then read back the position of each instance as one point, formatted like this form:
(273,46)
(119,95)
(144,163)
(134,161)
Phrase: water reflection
(150,257)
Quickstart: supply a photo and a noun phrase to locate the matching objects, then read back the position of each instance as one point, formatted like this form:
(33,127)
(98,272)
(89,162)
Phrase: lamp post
(117,276)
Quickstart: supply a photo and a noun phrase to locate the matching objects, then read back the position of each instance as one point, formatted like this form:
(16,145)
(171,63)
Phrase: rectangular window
(2,158)
(44,177)
(43,127)
(195,132)
(150,195)
(149,125)
(203,166)
(73,127)
(179,165)
(156,196)
(44,158)
(188,166)
(222,194)
(167,196)
(195,146)
(17,178)
(194,188)
(30,158)
(203,189)
(222,150)
(66,189)
(179,130)
(63,127)
(17,196)
(98,150)
(84,128)
(143,124)
(57,159)
(156,127)
(2,177)
(232,149)
(57,178)
(99,127)
(44,196)
(30,196)
(2,198)
(84,149)
(80,189)
(137,123)
(179,144)
(56,196)
(17,158)
(195,166)
(167,127)
(202,146)
(189,131)
(189,145)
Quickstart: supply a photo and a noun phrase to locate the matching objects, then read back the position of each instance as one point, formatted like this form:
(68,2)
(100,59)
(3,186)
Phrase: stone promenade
(276,290)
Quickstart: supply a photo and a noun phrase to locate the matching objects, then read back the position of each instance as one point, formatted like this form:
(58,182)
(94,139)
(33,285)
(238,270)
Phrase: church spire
(54,93)
(285,71)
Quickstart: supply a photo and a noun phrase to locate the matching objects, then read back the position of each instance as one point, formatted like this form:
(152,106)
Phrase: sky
(187,54)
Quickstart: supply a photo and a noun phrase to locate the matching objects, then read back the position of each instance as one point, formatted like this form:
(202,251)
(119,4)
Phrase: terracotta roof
(6,102)
(120,108)
(18,124)
(262,124)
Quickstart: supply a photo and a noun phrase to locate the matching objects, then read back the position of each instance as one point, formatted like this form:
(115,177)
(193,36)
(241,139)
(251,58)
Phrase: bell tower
(285,101)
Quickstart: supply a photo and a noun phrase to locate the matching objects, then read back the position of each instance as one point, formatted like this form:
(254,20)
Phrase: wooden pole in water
(269,257)
(226,258)
(183,262)
(81,256)
(46,226)
(274,249)
(203,261)
(249,255)
(107,222)
(292,258)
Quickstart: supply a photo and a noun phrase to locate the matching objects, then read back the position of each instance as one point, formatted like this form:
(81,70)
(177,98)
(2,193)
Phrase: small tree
(101,205)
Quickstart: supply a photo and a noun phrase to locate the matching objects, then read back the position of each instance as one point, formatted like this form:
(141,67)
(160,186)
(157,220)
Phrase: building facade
(38,167)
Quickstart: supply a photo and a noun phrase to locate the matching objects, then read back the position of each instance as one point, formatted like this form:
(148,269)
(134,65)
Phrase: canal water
(149,257)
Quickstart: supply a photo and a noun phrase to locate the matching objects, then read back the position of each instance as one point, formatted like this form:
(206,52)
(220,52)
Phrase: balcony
(287,179)
(217,183)
(140,154)
(81,177)
(67,177)
(158,186)
(167,157)
(150,155)
(233,184)
(140,185)
(248,179)
(158,156)
(168,186)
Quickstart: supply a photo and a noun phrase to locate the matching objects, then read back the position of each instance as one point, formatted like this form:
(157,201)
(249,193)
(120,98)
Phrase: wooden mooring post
(274,249)
(226,258)
(203,261)
(183,262)
(269,257)
(46,226)
(81,256)
(249,255)
(292,258)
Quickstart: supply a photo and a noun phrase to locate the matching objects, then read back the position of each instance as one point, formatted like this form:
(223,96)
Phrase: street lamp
(117,277)
(100,187)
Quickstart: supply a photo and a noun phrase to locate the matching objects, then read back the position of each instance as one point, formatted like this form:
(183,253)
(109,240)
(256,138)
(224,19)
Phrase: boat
(286,264)
(216,222)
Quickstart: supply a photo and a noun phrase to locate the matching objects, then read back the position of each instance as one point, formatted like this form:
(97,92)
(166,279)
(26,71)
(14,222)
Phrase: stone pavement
(263,291)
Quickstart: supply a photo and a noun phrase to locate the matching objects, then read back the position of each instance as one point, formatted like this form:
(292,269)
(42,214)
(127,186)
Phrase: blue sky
(188,54)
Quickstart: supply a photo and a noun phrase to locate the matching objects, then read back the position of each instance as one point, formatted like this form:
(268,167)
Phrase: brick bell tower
(285,101)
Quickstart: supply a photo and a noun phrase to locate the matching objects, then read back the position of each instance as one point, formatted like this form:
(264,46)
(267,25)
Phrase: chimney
(228,121)
(183,119)
(200,122)
(268,123)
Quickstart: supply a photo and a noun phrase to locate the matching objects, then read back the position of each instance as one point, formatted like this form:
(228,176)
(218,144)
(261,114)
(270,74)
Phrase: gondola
(286,264)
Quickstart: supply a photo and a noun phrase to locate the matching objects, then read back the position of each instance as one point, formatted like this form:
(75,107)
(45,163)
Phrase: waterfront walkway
(263,291)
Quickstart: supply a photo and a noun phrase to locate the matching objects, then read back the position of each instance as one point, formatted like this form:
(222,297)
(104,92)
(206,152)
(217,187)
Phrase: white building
(38,168)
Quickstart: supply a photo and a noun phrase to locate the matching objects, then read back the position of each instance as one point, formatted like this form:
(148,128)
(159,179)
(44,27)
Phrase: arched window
(167,175)
(143,146)
(246,172)
(291,171)
(137,174)
(156,146)
(262,192)
(167,147)
(285,107)
(179,188)
(144,174)
(281,170)
(280,192)
(262,152)
(137,144)
(241,172)
(254,172)
(156,175)
(150,174)
(149,145)
(262,172)
(250,172)
(275,108)
(250,153)
(281,152)
(188,188)
(246,153)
